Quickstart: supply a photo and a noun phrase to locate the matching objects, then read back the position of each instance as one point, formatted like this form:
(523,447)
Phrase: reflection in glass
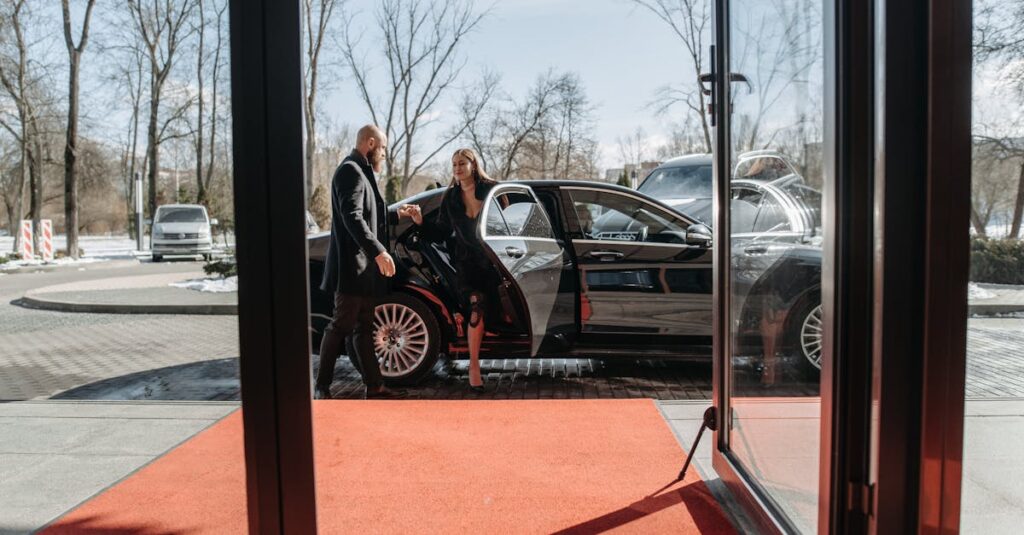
(775,249)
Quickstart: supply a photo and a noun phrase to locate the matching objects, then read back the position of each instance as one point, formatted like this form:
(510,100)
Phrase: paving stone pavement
(43,353)
(178,357)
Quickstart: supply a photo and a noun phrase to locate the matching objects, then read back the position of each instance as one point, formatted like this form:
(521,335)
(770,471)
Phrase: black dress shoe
(383,392)
(322,393)
(477,389)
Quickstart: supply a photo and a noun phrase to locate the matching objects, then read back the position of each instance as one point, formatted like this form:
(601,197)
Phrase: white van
(182,229)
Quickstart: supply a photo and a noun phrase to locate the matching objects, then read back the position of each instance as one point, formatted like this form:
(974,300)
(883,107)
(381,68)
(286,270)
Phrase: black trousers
(351,328)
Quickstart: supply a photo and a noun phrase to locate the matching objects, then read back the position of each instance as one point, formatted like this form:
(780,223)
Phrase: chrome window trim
(485,211)
(669,212)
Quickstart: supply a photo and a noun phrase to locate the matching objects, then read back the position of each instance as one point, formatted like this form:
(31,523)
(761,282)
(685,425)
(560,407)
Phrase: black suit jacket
(359,231)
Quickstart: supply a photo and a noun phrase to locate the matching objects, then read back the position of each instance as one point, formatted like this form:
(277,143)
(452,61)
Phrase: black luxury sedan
(587,269)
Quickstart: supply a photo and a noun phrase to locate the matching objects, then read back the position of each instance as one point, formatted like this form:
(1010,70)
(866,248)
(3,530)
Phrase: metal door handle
(606,255)
(514,252)
(756,249)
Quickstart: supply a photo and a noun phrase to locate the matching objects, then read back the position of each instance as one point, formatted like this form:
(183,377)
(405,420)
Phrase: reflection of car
(776,263)
(587,269)
(684,182)
(181,229)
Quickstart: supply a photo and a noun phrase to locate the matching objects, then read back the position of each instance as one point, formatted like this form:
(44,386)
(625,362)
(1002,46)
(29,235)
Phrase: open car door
(516,229)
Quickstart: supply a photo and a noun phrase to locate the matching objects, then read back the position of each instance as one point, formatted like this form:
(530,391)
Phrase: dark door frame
(273,289)
(895,269)
(922,255)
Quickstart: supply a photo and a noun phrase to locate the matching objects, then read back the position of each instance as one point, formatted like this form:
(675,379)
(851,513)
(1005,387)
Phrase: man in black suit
(357,265)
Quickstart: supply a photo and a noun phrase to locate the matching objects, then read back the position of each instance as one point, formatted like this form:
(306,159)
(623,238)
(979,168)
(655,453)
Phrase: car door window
(496,225)
(523,215)
(610,216)
(771,216)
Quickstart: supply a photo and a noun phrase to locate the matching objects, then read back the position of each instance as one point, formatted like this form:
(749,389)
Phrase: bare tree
(998,44)
(634,148)
(777,53)
(128,77)
(21,87)
(689,21)
(998,164)
(318,14)
(200,140)
(162,26)
(420,41)
(70,148)
(504,133)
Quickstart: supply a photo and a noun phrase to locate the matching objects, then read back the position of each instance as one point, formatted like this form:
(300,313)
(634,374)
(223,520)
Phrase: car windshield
(690,181)
(181,215)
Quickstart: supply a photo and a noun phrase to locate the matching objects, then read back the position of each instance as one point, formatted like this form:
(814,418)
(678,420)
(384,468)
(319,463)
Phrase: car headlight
(204,234)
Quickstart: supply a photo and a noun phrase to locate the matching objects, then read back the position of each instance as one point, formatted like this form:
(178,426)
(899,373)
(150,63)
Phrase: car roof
(686,160)
(181,206)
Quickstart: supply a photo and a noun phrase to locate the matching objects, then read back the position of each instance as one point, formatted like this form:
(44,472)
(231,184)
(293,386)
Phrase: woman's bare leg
(476,338)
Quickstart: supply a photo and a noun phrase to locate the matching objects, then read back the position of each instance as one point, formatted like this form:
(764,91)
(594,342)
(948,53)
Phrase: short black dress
(473,269)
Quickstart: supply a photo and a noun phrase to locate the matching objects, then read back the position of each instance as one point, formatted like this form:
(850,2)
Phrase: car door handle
(756,249)
(514,252)
(606,255)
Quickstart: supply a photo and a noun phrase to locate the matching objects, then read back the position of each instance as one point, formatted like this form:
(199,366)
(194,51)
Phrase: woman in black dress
(458,215)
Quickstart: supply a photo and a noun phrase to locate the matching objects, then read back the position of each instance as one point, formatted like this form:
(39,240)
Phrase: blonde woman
(458,216)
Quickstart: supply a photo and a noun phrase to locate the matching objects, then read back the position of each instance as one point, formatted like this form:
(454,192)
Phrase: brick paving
(109,356)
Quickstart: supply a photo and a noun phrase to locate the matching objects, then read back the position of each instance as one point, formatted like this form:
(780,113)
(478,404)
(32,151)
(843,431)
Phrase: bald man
(357,265)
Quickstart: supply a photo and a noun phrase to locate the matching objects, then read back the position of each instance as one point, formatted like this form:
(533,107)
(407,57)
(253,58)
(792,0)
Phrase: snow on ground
(94,249)
(215,285)
(977,292)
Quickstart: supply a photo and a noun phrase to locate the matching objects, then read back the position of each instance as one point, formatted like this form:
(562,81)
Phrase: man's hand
(385,264)
(411,211)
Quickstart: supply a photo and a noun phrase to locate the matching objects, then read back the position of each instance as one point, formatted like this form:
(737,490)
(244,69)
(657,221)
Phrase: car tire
(805,332)
(407,339)
(157,258)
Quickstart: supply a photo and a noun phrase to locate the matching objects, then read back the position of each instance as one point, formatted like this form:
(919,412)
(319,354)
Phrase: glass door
(770,242)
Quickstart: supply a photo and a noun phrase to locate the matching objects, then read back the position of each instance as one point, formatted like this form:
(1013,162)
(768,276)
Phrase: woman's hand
(411,211)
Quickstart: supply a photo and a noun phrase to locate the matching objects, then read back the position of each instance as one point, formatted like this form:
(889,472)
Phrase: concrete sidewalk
(779,440)
(55,455)
(143,294)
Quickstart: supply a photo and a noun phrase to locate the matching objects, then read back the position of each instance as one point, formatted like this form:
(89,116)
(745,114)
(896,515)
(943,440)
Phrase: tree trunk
(1018,207)
(35,174)
(153,149)
(70,157)
(979,225)
(200,185)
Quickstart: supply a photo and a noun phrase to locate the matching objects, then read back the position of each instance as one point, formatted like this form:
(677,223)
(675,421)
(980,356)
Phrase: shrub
(225,267)
(997,261)
(320,206)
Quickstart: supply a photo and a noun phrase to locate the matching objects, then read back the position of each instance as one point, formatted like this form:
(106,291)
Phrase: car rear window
(181,215)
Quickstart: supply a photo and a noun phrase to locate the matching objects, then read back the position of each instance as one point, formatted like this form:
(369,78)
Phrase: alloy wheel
(400,339)
(811,332)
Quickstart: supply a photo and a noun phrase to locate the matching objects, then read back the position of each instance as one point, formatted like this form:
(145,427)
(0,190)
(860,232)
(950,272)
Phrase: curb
(994,310)
(35,302)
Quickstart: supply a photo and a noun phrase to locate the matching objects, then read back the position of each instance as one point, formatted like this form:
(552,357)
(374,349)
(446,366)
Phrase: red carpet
(538,466)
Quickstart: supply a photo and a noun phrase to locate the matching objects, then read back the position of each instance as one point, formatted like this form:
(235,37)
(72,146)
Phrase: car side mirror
(698,235)
(214,222)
